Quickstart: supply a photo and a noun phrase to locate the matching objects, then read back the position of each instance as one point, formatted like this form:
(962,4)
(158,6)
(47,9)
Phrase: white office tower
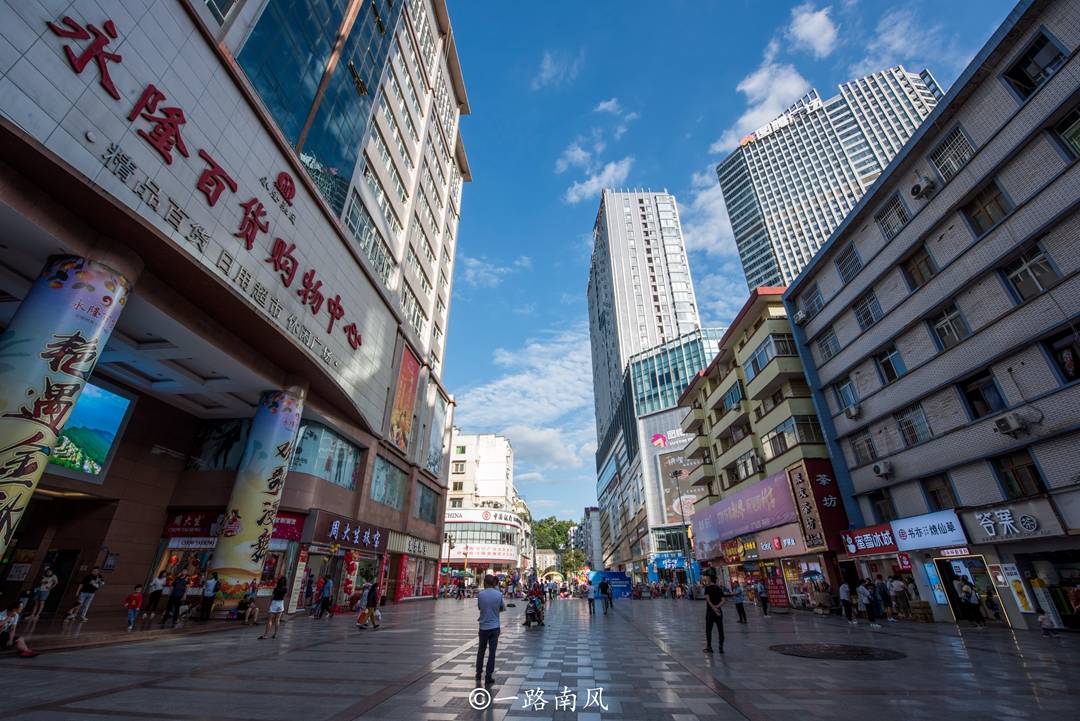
(640,292)
(790,183)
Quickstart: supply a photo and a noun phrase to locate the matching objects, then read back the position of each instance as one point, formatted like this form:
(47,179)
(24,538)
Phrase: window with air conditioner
(846,394)
(981,395)
(892,218)
(811,301)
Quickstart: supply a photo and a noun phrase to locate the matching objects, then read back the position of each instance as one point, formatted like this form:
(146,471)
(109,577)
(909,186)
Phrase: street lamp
(448,541)
(676,475)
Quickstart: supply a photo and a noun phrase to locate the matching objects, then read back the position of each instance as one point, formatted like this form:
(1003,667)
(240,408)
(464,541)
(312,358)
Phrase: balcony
(773,375)
(728,457)
(714,402)
(701,476)
(698,447)
(693,420)
(737,414)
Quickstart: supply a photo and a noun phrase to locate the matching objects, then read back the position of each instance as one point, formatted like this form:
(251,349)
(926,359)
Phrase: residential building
(487,522)
(547,562)
(231,281)
(791,182)
(770,509)
(938,326)
(640,292)
(634,500)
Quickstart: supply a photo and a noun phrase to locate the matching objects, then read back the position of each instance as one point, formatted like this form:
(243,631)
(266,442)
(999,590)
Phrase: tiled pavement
(646,656)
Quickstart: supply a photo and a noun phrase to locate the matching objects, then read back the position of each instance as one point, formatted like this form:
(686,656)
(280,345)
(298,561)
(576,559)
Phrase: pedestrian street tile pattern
(643,662)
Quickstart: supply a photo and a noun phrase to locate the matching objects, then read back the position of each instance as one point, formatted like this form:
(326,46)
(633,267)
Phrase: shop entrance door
(64,564)
(955,572)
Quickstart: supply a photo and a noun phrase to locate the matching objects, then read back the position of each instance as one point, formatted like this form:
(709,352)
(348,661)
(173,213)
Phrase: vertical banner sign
(401,417)
(46,355)
(249,517)
(436,449)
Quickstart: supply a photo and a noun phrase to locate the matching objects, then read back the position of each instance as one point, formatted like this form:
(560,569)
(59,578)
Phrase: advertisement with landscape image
(91,432)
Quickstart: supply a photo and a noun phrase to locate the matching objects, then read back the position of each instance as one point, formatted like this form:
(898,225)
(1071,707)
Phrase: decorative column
(249,523)
(46,354)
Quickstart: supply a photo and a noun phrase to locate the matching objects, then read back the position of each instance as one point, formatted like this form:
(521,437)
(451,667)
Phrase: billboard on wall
(679,495)
(763,505)
(436,451)
(401,416)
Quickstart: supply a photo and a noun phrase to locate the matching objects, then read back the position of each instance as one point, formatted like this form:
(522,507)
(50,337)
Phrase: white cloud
(525,309)
(529,478)
(624,124)
(904,38)
(542,401)
(611,175)
(482,273)
(721,291)
(609,106)
(557,68)
(812,29)
(573,156)
(704,218)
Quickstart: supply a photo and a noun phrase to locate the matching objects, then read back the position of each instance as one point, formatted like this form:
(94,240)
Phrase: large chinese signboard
(330,529)
(869,541)
(152,117)
(1013,521)
(930,530)
(763,505)
(821,509)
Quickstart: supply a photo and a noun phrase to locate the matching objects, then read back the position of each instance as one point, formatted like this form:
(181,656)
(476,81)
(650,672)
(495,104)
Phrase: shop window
(981,395)
(321,452)
(388,484)
(220,445)
(1019,475)
(1064,351)
(426,506)
(882,504)
(939,493)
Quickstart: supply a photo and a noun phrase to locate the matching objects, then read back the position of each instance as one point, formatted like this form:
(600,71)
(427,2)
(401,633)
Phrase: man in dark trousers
(714,614)
(176,597)
(491,604)
(605,594)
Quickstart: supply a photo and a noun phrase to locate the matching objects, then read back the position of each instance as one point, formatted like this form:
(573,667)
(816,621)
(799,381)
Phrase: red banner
(869,541)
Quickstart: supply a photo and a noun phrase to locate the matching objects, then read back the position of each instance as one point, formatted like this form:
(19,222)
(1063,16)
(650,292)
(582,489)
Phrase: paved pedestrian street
(643,661)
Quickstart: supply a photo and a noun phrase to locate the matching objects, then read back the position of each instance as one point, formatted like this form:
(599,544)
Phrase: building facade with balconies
(938,327)
(758,451)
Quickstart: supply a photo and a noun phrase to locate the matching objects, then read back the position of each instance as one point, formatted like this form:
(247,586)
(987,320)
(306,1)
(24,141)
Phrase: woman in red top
(133,603)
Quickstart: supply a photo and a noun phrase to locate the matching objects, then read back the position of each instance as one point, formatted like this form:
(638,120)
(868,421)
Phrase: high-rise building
(938,327)
(594,551)
(790,183)
(226,280)
(640,292)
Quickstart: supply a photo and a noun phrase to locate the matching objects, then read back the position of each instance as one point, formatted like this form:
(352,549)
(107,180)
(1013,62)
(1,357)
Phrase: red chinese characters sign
(869,541)
(160,123)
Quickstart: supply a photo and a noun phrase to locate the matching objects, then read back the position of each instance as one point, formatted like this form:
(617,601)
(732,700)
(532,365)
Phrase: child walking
(133,603)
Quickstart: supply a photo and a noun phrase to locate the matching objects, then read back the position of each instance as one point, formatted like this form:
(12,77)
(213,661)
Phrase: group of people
(319,595)
(878,598)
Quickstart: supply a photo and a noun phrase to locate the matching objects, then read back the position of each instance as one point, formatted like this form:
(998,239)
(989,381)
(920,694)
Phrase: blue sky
(569,97)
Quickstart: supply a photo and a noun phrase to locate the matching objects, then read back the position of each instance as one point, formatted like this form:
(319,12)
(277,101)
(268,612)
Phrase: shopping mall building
(228,232)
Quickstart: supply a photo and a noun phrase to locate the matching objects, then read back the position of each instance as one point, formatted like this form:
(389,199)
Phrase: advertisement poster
(86,444)
(323,453)
(401,416)
(1019,592)
(1046,601)
(934,580)
(298,580)
(50,348)
(775,589)
(620,582)
(679,495)
(249,517)
(764,505)
(436,450)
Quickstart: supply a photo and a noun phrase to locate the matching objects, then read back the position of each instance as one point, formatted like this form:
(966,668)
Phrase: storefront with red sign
(867,552)
(347,551)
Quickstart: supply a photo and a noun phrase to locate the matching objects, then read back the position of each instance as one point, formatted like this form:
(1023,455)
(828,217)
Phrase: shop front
(480,541)
(413,566)
(347,551)
(670,566)
(1032,562)
(869,552)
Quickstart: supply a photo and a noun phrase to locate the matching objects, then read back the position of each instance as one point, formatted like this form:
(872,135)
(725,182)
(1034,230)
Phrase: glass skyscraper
(790,183)
(658,376)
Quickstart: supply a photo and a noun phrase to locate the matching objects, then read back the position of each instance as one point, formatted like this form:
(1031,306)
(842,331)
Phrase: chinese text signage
(869,541)
(763,505)
(1013,521)
(931,530)
(331,529)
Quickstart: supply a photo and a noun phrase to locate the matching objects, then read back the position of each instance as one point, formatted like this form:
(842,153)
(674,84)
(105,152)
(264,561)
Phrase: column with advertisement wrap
(249,521)
(46,355)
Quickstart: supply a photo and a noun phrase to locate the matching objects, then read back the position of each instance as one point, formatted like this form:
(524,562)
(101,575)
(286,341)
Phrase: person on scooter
(536,596)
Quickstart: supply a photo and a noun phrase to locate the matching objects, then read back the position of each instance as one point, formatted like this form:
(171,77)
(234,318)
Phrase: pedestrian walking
(42,590)
(89,586)
(176,599)
(153,594)
(738,596)
(9,621)
(491,604)
(884,595)
(969,598)
(762,597)
(309,589)
(371,606)
(900,597)
(133,603)
(590,598)
(845,602)
(714,613)
(868,601)
(326,599)
(209,593)
(277,607)
(605,594)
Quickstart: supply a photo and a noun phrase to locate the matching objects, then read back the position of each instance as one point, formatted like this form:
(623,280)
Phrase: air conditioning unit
(924,188)
(1010,424)
(800,317)
(882,468)
(853,411)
